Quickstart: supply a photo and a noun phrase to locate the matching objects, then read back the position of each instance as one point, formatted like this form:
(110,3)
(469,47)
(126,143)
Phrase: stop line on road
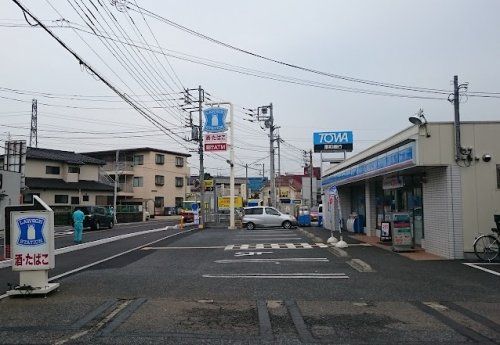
(279,276)
(236,261)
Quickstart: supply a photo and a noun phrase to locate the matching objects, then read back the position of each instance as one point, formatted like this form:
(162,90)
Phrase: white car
(260,216)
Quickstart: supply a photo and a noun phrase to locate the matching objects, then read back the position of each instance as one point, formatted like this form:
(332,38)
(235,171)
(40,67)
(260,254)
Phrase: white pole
(231,162)
(231,176)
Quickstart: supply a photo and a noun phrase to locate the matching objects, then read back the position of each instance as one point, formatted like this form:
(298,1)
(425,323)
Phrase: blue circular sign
(194,207)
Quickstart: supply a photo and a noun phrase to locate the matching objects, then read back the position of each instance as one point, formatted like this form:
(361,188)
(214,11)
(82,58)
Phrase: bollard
(181,224)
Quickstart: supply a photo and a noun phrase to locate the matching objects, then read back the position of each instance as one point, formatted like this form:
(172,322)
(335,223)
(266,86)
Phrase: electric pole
(33,129)
(246,184)
(278,139)
(455,99)
(115,192)
(197,135)
(311,176)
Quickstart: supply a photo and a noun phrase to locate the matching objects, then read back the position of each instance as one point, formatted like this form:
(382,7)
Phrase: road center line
(68,249)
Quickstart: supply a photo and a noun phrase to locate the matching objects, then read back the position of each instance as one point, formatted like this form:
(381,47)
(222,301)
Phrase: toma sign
(333,141)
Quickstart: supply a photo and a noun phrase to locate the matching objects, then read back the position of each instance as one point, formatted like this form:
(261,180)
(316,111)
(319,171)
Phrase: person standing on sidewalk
(78,218)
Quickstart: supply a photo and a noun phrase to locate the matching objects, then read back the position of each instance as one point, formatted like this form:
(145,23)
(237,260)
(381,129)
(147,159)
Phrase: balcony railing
(121,166)
(125,188)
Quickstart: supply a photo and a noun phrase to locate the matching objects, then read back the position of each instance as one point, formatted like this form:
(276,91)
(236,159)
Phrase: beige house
(157,178)
(447,201)
(63,178)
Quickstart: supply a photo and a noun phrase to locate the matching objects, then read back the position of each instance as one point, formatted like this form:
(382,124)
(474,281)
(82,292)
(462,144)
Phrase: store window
(52,170)
(138,159)
(159,180)
(160,159)
(138,181)
(179,161)
(60,199)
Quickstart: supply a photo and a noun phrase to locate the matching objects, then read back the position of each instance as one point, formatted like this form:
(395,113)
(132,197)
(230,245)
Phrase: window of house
(498,176)
(75,200)
(160,159)
(179,181)
(159,180)
(179,201)
(85,198)
(52,170)
(159,202)
(73,170)
(60,199)
(28,198)
(138,181)
(179,161)
(138,159)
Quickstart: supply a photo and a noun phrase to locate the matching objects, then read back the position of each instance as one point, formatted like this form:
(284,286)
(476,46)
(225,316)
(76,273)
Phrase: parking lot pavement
(229,286)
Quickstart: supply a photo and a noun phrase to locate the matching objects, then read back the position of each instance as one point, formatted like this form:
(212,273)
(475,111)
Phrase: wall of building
(49,196)
(443,218)
(481,196)
(37,168)
(169,170)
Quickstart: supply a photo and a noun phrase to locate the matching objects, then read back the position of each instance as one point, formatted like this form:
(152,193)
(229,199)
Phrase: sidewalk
(351,238)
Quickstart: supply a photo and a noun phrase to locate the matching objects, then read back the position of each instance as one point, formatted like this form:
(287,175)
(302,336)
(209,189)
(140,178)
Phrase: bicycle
(486,247)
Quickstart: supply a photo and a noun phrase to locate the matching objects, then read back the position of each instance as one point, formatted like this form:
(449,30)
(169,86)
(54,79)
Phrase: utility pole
(279,167)
(197,135)
(311,176)
(265,114)
(33,129)
(455,99)
(115,193)
(246,184)
(201,96)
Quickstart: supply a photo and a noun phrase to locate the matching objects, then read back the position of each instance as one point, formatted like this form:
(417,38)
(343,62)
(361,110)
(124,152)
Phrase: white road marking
(8,263)
(236,261)
(275,246)
(280,276)
(250,253)
(166,248)
(477,266)
(81,268)
(274,239)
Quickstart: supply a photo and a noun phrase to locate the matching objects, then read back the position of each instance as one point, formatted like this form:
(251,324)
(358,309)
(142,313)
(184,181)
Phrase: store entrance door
(416,214)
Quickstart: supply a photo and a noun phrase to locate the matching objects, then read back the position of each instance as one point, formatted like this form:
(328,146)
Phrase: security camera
(486,157)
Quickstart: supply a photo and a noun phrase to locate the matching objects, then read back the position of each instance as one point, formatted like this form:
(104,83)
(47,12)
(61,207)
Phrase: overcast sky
(414,43)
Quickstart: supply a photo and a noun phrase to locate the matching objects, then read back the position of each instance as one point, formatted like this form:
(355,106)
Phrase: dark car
(97,217)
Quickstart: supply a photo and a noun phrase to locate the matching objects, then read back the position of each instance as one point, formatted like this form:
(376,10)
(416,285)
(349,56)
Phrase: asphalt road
(270,286)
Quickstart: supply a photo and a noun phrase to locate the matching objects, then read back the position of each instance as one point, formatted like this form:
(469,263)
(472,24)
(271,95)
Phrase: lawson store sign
(401,157)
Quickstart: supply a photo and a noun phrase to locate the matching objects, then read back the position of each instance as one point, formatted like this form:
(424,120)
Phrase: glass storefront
(401,194)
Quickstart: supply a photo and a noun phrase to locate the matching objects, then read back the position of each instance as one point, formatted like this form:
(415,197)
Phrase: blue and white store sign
(333,141)
(396,159)
(215,120)
(32,240)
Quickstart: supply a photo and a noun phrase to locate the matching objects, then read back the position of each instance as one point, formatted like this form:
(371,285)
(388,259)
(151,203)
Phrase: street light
(420,120)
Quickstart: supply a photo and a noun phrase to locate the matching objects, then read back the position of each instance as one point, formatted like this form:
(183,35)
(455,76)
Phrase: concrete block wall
(443,229)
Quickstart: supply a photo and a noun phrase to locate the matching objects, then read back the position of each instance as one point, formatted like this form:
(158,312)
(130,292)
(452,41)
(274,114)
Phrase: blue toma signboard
(215,120)
(332,141)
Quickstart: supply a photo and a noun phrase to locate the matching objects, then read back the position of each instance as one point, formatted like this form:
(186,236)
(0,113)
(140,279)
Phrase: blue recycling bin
(320,220)
(304,220)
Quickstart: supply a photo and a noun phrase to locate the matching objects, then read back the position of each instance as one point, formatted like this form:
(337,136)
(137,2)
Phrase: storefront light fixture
(420,120)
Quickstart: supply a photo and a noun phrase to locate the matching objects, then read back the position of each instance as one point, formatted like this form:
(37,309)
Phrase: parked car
(97,217)
(260,216)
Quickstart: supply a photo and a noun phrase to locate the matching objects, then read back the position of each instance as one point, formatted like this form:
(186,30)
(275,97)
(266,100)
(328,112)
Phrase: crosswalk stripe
(275,246)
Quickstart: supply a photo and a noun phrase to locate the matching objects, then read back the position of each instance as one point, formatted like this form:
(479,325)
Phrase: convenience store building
(449,201)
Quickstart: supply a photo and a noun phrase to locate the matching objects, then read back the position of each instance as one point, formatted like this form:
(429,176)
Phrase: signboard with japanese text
(333,141)
(215,138)
(32,240)
(223,202)
(209,185)
(215,147)
(215,120)
(385,231)
(401,232)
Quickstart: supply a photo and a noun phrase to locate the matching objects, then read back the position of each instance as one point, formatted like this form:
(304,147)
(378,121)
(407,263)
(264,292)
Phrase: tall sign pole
(201,97)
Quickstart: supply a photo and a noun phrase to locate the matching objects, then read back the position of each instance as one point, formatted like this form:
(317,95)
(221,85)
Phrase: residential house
(157,178)
(63,178)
